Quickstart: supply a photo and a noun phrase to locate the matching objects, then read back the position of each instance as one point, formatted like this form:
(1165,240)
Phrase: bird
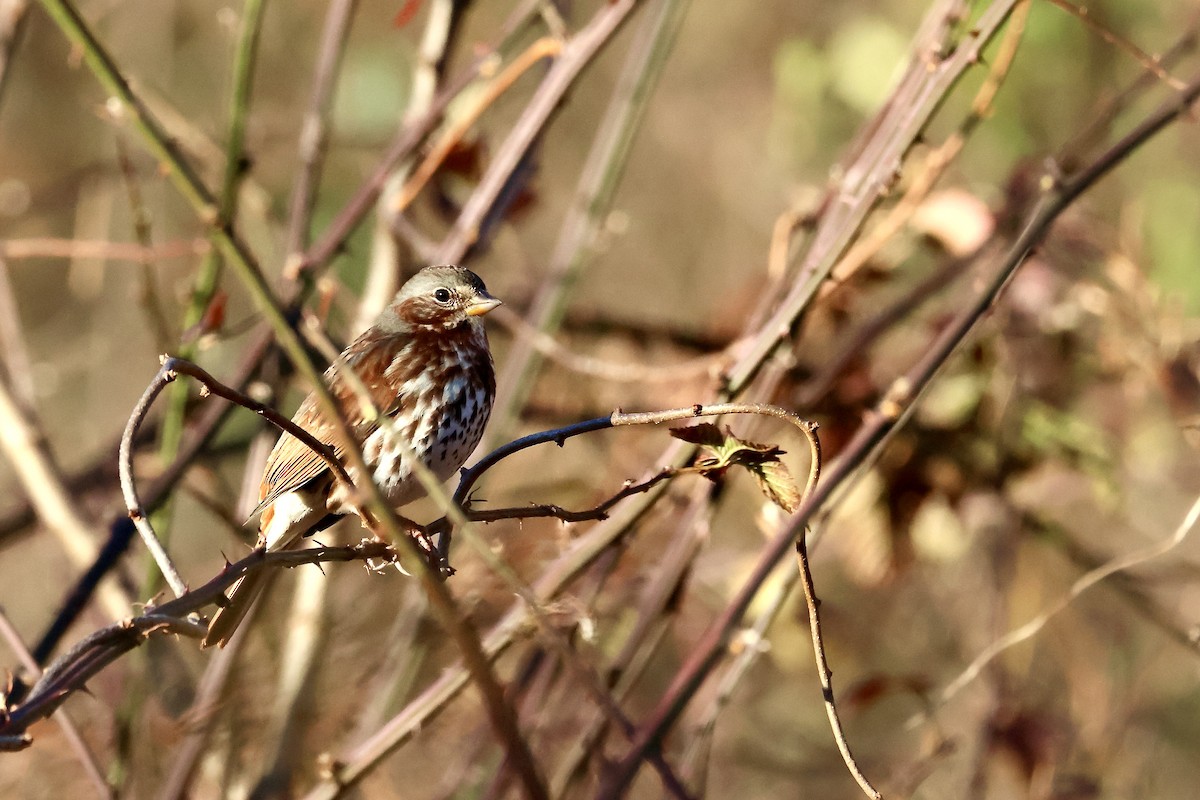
(427,366)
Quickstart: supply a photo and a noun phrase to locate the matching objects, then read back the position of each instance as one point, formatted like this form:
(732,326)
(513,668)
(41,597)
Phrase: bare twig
(1151,64)
(1082,584)
(633,372)
(598,512)
(167,373)
(824,673)
(149,294)
(752,642)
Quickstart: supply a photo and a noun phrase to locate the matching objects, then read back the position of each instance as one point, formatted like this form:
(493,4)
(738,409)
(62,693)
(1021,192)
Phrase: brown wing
(293,464)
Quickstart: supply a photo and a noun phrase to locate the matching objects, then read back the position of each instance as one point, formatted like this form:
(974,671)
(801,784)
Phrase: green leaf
(724,450)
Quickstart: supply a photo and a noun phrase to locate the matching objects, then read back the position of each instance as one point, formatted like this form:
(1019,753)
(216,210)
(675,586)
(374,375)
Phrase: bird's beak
(482,304)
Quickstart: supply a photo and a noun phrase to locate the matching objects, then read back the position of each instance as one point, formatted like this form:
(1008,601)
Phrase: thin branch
(752,642)
(632,372)
(170,369)
(149,292)
(1083,140)
(824,673)
(537,510)
(1082,584)
(1151,64)
(469,477)
(314,128)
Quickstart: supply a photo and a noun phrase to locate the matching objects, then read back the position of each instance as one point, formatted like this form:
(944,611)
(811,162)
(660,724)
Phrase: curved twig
(170,369)
(824,673)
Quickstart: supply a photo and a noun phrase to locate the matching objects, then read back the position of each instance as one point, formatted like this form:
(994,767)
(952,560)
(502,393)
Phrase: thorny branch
(74,668)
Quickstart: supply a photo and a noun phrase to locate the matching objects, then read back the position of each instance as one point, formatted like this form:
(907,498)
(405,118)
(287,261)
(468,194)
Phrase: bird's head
(438,298)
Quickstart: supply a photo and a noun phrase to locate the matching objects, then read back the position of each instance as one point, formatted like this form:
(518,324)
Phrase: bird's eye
(442,296)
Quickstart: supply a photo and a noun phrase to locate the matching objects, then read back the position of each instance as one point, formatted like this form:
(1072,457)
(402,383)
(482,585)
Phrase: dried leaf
(724,450)
(704,434)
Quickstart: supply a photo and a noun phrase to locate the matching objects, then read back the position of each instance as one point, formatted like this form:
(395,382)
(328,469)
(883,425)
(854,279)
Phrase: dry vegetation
(960,239)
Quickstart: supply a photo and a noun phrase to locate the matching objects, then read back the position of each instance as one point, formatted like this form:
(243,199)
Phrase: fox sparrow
(427,367)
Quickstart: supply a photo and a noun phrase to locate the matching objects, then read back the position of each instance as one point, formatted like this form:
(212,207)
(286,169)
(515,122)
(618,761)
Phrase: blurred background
(1060,436)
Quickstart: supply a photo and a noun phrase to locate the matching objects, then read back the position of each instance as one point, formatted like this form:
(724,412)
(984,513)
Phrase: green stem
(183,175)
(210,270)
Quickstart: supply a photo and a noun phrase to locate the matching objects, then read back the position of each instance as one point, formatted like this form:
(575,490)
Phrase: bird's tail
(281,526)
(241,597)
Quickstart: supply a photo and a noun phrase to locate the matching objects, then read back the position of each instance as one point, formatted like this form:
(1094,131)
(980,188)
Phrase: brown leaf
(704,434)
